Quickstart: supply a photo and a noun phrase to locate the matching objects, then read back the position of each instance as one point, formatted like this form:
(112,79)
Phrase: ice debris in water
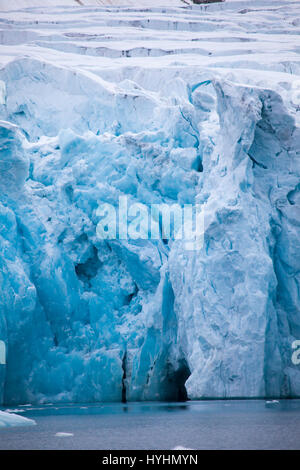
(11,419)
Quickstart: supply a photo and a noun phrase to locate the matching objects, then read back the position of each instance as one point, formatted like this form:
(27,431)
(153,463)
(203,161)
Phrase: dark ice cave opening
(175,383)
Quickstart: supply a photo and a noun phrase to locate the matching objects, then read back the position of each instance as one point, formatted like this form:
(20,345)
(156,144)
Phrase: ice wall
(90,320)
(238,300)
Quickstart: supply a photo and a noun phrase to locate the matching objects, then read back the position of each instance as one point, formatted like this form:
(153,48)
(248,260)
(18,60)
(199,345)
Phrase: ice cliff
(189,105)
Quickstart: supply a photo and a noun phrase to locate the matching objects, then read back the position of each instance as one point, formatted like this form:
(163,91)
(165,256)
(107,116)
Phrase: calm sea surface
(232,424)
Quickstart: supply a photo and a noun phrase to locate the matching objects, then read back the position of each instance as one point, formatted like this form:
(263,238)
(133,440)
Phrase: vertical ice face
(85,319)
(234,306)
(2,93)
(2,353)
(2,364)
(97,316)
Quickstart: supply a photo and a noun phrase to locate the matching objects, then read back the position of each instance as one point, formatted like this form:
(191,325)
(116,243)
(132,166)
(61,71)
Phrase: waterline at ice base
(166,105)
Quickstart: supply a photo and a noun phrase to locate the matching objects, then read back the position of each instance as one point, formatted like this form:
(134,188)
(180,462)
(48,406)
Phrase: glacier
(188,104)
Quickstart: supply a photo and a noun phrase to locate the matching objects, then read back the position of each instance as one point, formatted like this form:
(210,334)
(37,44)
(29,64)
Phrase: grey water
(226,424)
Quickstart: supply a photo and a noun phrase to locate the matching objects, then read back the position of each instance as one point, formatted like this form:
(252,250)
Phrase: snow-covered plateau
(187,104)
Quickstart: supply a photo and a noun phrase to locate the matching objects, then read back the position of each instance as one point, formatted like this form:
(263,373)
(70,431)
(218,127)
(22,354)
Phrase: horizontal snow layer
(11,419)
(17,4)
(163,105)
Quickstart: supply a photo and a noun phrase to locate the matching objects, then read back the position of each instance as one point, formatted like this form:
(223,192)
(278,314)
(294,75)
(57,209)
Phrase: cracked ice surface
(164,105)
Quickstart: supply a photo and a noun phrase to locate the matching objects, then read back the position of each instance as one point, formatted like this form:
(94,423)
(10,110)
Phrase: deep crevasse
(208,115)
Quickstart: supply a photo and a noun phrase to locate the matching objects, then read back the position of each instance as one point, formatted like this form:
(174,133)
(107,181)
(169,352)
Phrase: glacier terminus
(166,103)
